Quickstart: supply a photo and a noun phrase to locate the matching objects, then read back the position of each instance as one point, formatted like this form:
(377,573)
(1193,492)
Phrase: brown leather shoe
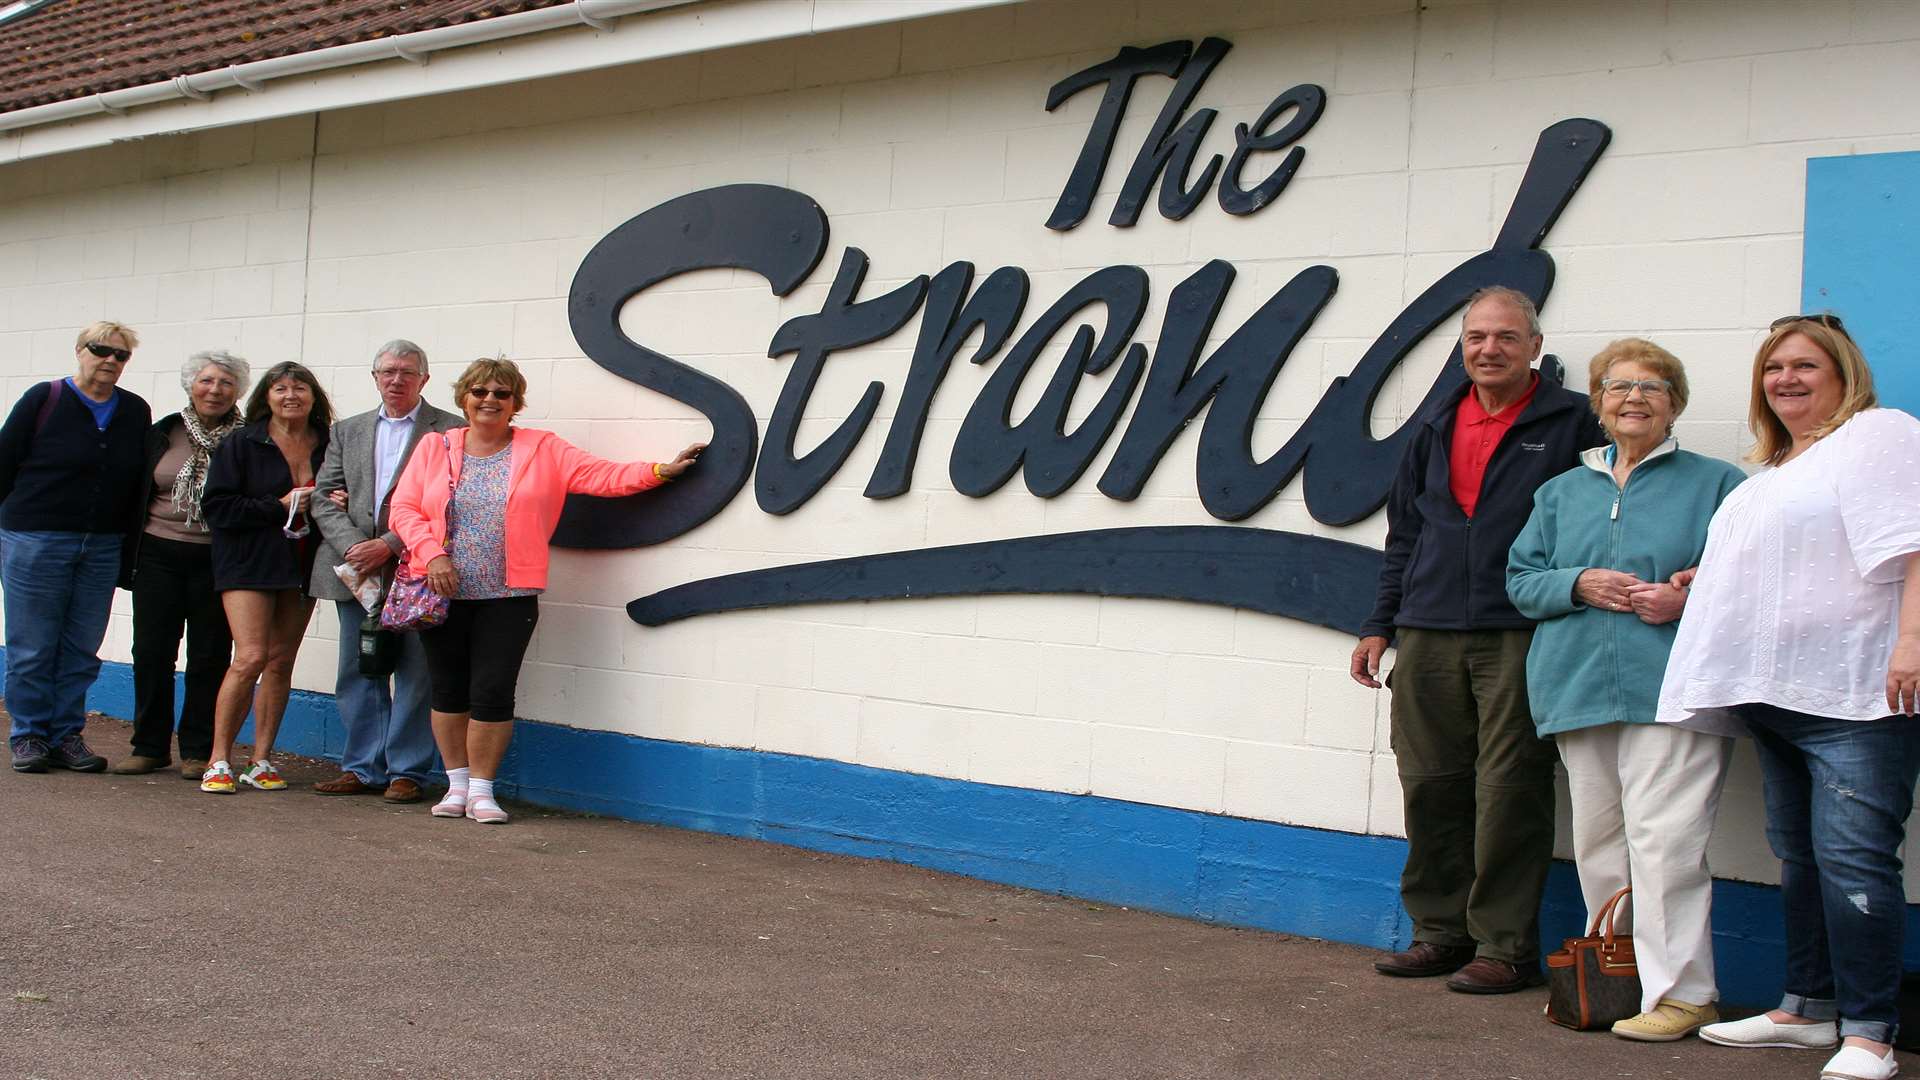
(402,790)
(344,784)
(1489,976)
(193,768)
(140,765)
(1425,959)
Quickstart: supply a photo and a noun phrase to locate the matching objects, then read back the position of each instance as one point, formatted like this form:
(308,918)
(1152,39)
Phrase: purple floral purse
(411,603)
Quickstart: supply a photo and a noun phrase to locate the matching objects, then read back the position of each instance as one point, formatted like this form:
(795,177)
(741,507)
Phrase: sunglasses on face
(103,350)
(482,393)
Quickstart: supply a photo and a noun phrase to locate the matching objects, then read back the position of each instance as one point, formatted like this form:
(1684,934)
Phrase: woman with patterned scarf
(168,565)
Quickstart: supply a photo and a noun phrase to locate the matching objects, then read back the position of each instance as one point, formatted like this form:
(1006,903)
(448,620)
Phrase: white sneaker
(1854,1063)
(1760,1031)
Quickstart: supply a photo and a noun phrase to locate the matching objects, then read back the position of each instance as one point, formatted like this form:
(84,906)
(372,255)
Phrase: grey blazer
(349,465)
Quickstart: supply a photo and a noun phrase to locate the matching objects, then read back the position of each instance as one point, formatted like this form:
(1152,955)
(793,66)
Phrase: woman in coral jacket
(506,487)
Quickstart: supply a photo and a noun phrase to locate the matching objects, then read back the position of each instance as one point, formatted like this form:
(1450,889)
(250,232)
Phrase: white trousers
(1643,802)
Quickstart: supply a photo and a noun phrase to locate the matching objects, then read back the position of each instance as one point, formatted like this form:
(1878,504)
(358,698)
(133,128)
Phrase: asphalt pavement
(151,930)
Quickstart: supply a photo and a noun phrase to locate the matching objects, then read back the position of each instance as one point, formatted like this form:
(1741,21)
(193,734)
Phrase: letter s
(775,232)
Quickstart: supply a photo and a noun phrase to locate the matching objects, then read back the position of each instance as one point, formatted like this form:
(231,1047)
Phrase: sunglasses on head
(103,350)
(497,395)
(1824,318)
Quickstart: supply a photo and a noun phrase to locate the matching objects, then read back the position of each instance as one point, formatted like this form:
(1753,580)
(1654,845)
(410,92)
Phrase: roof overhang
(582,36)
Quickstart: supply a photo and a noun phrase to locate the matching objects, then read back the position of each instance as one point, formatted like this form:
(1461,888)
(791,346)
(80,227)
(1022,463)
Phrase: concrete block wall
(459,221)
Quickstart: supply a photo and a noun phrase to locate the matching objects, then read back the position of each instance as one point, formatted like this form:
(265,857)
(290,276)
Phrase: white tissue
(365,587)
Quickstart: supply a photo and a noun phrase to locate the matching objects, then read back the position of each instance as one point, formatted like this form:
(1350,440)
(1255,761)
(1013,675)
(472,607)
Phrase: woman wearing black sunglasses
(72,453)
(476,508)
(1803,629)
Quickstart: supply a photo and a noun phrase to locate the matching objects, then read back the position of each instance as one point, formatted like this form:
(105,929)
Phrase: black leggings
(473,659)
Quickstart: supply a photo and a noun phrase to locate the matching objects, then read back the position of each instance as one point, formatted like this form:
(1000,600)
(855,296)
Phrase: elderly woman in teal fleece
(1600,564)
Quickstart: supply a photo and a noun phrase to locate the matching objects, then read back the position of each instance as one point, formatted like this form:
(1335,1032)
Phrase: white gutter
(193,102)
(415,47)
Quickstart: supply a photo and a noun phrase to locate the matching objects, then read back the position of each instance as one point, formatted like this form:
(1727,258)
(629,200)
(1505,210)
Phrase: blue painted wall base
(1294,880)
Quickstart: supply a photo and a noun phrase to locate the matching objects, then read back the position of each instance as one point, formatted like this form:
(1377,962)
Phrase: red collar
(1472,412)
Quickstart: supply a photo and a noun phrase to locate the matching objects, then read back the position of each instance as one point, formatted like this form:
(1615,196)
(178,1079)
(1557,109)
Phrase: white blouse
(1797,603)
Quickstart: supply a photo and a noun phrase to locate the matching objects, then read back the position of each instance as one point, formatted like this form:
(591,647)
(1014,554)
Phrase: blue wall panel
(1862,261)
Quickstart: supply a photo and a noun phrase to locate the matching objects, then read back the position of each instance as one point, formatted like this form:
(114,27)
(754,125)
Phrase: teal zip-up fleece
(1589,666)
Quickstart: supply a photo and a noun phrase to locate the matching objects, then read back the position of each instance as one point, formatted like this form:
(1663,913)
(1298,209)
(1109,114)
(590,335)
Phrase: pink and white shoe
(486,811)
(452,804)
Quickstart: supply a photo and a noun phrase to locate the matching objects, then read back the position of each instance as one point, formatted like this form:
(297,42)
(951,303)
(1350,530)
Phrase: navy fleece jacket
(1443,570)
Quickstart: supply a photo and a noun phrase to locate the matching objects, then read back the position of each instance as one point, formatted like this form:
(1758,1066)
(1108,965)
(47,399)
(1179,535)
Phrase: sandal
(452,804)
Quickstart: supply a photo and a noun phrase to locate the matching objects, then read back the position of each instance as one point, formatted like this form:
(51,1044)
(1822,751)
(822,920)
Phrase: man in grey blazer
(389,744)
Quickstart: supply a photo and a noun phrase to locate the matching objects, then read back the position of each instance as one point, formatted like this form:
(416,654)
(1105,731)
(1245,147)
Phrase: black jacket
(245,481)
(70,476)
(1444,571)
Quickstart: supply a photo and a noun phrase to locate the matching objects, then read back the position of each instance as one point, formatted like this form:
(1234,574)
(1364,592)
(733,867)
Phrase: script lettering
(782,482)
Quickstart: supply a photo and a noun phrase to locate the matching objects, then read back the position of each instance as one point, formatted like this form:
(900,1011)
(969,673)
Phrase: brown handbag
(1592,980)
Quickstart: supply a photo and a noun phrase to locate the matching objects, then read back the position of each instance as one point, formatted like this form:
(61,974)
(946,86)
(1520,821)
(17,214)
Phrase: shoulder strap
(448,445)
(54,390)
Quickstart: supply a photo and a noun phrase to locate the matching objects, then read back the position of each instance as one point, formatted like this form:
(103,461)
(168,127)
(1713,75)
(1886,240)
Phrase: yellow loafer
(1668,1021)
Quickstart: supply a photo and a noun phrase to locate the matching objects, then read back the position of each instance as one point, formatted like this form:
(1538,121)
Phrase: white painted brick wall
(459,221)
(1299,785)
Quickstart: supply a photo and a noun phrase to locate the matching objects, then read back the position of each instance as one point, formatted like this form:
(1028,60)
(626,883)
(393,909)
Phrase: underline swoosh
(1313,579)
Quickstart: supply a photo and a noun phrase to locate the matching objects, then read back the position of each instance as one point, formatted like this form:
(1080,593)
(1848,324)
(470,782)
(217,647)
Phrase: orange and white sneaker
(262,775)
(218,778)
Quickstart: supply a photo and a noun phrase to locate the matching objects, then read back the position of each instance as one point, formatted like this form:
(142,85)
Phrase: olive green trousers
(1477,784)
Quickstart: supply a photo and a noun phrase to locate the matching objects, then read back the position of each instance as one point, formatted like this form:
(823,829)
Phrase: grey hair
(401,348)
(233,365)
(1518,299)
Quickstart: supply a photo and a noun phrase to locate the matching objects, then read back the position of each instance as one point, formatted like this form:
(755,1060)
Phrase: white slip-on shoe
(1854,1063)
(1760,1031)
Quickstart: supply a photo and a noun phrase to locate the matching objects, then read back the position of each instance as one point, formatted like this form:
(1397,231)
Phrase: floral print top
(477,520)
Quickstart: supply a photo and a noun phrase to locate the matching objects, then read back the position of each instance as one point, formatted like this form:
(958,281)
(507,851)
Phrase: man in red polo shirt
(1477,783)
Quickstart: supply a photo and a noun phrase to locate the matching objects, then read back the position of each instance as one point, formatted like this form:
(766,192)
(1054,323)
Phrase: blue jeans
(1838,794)
(59,592)
(388,734)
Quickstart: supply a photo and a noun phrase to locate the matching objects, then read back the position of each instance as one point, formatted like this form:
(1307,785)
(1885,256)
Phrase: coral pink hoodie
(546,468)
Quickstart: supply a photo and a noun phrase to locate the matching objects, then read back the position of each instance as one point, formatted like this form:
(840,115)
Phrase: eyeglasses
(1624,387)
(1825,318)
(390,374)
(483,393)
(103,350)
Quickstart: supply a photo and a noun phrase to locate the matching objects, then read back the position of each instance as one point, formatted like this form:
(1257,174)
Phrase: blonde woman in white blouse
(1804,627)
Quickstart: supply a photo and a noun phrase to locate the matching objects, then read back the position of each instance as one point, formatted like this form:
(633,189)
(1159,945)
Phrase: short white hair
(1519,300)
(401,348)
(233,365)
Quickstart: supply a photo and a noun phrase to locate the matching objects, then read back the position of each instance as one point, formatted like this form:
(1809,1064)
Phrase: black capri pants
(473,659)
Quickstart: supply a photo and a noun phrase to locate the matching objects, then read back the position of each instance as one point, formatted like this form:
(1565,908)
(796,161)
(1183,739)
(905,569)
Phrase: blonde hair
(490,369)
(1633,350)
(96,332)
(1772,440)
